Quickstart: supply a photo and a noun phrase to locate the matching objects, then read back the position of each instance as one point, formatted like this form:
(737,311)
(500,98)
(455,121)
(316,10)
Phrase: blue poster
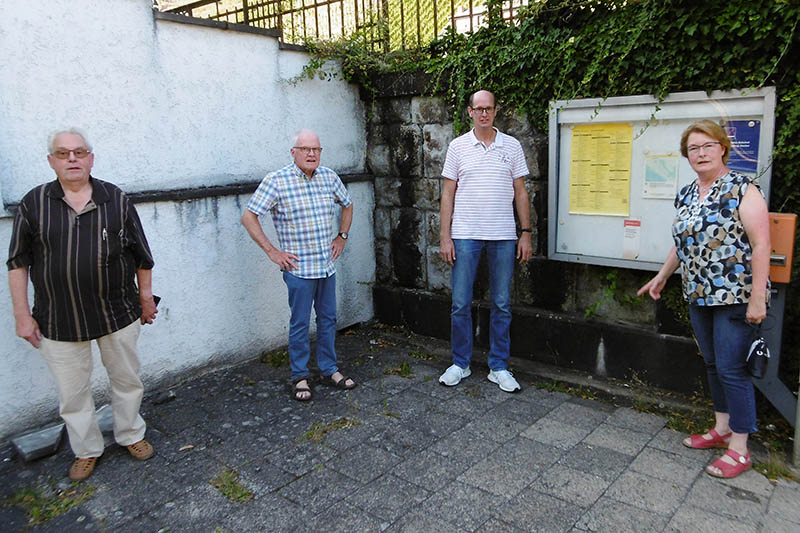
(744,136)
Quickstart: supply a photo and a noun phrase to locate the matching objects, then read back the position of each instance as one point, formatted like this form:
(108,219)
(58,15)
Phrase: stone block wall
(407,143)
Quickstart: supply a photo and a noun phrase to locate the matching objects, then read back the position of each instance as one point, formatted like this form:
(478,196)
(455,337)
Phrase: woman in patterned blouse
(721,234)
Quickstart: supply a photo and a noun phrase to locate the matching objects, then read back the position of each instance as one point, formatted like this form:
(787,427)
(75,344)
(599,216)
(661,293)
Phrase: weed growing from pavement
(319,431)
(42,504)
(386,411)
(227,482)
(578,391)
(275,358)
(775,467)
(404,370)
(419,354)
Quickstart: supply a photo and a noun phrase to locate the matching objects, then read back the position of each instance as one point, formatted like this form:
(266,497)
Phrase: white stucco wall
(170,106)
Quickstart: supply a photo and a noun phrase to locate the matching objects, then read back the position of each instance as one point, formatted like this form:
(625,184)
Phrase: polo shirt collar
(498,138)
(301,174)
(99,194)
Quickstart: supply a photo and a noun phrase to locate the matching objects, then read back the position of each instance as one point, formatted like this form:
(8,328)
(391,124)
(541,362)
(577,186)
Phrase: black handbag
(758,355)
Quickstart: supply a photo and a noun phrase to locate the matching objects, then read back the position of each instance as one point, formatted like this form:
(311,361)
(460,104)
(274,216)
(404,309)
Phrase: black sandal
(296,390)
(341,384)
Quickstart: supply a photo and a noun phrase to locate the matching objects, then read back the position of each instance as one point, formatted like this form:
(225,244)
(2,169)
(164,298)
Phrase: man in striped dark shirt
(83,244)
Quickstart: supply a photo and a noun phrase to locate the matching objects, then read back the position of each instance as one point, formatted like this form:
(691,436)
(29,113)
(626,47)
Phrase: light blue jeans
(303,293)
(724,338)
(501,256)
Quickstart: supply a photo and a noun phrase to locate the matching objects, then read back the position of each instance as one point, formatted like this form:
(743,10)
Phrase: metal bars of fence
(385,24)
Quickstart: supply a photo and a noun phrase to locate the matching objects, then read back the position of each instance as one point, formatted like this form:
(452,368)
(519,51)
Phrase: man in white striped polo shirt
(483,171)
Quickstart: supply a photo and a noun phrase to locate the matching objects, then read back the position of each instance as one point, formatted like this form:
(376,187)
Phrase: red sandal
(729,471)
(716,440)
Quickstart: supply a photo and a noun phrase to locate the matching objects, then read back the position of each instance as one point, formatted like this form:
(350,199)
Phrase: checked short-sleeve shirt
(302,210)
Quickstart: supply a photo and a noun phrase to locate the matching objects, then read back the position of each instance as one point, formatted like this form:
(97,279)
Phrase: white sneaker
(453,375)
(505,379)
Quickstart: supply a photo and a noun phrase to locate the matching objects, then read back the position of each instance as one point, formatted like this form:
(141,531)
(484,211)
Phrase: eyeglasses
(483,110)
(308,149)
(80,153)
(694,149)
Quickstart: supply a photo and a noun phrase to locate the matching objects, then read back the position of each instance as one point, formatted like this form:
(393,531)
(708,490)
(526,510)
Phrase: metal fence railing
(385,24)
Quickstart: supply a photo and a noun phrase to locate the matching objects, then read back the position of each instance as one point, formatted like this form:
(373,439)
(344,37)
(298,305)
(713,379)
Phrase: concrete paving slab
(618,439)
(785,503)
(578,415)
(418,521)
(650,494)
(319,489)
(667,466)
(670,440)
(344,517)
(691,518)
(611,515)
(571,485)
(430,470)
(494,426)
(602,462)
(535,511)
(555,433)
(388,497)
(364,462)
(738,504)
(628,418)
(462,505)
(464,444)
(521,411)
(513,467)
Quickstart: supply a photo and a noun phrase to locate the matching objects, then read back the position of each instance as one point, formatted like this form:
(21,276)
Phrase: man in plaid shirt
(301,197)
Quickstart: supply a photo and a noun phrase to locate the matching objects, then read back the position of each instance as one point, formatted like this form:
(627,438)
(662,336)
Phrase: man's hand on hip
(447,251)
(284,260)
(28,329)
(524,249)
(337,247)
(149,310)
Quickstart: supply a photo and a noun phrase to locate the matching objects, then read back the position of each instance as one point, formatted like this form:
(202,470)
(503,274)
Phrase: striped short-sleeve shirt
(484,200)
(82,265)
(302,210)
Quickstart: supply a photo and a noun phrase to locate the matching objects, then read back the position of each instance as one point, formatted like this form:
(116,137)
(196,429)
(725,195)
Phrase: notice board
(615,168)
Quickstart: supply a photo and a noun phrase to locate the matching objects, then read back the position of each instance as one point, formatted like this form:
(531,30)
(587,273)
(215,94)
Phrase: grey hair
(297,135)
(51,139)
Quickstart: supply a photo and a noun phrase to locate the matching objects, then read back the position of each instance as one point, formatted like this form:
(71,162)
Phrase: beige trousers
(71,365)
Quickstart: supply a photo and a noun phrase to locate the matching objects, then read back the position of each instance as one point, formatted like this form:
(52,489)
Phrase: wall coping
(196,193)
(219,24)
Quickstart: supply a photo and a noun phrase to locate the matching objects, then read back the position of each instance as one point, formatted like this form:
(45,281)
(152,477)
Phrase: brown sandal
(82,468)
(141,450)
(296,390)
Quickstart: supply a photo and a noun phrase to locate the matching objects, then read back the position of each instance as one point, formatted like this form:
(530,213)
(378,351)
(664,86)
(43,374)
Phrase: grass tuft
(49,502)
(227,482)
(276,358)
(424,356)
(404,370)
(319,431)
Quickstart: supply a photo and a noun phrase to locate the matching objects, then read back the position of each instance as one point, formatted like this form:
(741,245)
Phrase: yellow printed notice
(600,170)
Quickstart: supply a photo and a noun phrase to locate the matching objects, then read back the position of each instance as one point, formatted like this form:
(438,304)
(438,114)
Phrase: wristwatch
(523,230)
(343,235)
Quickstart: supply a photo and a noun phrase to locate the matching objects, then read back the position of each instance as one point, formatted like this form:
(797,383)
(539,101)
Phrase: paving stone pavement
(416,457)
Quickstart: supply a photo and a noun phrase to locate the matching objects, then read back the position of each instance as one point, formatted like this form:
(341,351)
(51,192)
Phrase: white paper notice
(660,176)
(632,231)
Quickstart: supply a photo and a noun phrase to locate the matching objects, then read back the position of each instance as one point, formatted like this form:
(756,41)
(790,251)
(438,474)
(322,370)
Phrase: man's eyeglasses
(695,149)
(80,153)
(308,149)
(482,110)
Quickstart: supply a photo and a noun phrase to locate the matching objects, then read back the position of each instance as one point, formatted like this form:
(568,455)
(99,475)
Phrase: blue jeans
(501,256)
(724,339)
(303,293)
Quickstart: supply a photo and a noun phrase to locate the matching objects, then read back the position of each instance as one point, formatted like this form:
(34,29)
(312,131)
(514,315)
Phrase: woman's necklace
(703,188)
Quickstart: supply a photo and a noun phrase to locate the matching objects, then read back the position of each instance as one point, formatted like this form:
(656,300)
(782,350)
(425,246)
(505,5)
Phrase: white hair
(297,135)
(51,139)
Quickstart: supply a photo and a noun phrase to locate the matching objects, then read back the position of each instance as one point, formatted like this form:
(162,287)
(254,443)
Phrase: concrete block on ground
(38,443)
